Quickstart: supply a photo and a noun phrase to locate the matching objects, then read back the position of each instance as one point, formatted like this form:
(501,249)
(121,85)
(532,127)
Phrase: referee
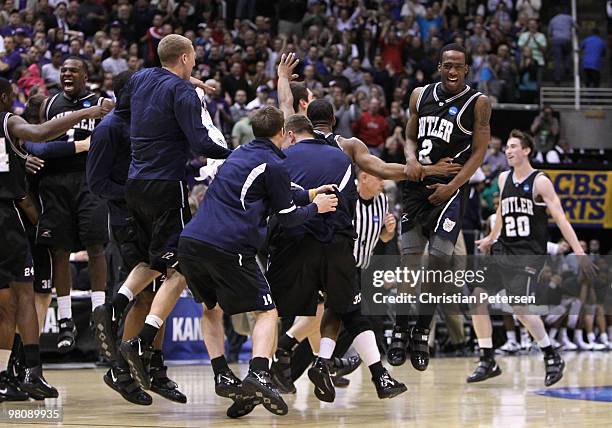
(373,221)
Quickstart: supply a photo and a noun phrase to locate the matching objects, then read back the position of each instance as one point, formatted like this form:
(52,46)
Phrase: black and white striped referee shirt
(369,221)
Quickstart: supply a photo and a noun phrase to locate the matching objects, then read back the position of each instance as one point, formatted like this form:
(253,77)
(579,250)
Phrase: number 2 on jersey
(425,151)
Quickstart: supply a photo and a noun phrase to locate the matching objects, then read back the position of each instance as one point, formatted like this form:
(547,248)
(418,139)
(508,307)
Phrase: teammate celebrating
(522,228)
(447,119)
(71,216)
(15,259)
(217,251)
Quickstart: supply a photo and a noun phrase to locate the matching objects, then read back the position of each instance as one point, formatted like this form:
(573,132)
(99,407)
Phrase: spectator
(260,98)
(368,85)
(218,108)
(290,14)
(51,71)
(242,132)
(354,73)
(545,129)
(495,157)
(115,64)
(430,21)
(311,82)
(238,110)
(593,52)
(342,111)
(560,33)
(531,8)
(506,70)
(535,41)
(479,37)
(412,8)
(529,72)
(10,60)
(372,128)
(59,19)
(391,48)
(393,152)
(14,23)
(235,80)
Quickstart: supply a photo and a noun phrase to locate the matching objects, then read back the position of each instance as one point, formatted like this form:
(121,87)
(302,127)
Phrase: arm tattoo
(485,113)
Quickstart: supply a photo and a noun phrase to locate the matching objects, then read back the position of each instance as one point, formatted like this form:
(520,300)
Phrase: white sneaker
(568,345)
(510,347)
(583,346)
(597,346)
(555,344)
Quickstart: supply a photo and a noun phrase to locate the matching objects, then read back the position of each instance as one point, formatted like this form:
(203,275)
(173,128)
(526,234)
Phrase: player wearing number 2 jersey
(522,229)
(449,122)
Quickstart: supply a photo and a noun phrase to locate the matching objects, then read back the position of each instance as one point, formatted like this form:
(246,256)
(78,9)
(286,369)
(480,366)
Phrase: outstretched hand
(286,66)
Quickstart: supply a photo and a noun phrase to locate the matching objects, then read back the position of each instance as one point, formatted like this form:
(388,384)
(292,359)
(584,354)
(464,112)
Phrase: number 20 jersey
(445,126)
(524,219)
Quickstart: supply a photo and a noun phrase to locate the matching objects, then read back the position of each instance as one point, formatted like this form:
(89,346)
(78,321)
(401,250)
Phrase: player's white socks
(591,337)
(511,336)
(366,347)
(326,350)
(610,331)
(97,299)
(156,321)
(485,342)
(5,355)
(544,342)
(64,307)
(563,335)
(553,333)
(126,292)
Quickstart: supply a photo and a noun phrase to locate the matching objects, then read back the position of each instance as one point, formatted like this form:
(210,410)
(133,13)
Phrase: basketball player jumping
(521,230)
(447,119)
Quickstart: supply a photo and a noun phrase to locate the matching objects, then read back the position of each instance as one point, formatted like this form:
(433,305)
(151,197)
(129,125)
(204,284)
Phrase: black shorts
(71,216)
(517,274)
(15,257)
(300,268)
(159,210)
(125,237)
(442,220)
(217,276)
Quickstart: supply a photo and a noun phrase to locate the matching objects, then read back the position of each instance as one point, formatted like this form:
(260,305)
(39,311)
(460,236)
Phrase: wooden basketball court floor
(438,397)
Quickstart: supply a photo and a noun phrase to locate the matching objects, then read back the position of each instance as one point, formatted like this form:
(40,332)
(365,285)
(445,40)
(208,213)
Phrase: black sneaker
(259,384)
(345,366)
(120,380)
(105,331)
(340,381)
(396,354)
(387,387)
(487,368)
(161,384)
(66,339)
(281,371)
(243,406)
(319,374)
(228,385)
(554,368)
(133,352)
(8,391)
(36,386)
(419,348)
(16,367)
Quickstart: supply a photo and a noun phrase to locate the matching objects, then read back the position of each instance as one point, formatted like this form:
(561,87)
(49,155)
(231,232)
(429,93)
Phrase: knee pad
(355,323)
(441,248)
